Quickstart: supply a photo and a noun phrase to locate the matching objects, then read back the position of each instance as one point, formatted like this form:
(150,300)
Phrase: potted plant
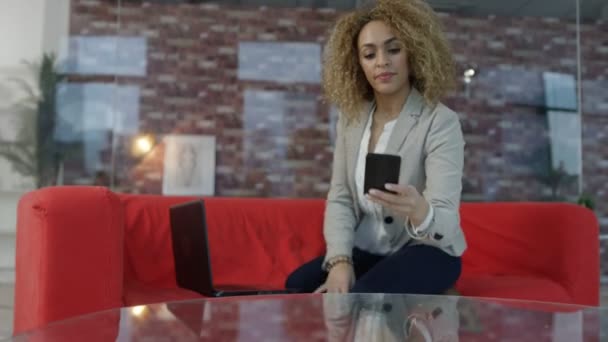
(35,152)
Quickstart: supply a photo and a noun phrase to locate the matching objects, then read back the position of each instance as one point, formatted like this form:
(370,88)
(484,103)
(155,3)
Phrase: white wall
(56,25)
(21,27)
(28,28)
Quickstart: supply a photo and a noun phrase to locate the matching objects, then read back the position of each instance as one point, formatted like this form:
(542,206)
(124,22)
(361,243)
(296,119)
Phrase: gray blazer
(430,143)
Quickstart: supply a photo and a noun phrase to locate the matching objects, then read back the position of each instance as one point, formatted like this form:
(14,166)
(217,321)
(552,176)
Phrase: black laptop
(191,253)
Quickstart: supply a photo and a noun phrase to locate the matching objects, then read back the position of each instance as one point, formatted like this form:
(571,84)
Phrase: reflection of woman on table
(381,317)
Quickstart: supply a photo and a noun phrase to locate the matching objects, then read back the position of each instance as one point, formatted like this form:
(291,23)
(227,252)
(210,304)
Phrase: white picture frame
(189,165)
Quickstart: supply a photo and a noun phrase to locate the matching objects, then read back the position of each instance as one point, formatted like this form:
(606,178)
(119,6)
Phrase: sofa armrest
(581,256)
(68,254)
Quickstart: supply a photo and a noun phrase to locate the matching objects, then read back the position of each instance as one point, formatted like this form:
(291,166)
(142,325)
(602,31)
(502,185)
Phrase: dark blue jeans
(417,269)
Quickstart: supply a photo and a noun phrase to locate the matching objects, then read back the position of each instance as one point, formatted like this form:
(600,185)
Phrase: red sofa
(84,249)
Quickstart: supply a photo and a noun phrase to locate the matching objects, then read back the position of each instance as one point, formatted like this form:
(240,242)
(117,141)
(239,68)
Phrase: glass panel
(171,67)
(176,67)
(106,55)
(334,317)
(520,101)
(283,62)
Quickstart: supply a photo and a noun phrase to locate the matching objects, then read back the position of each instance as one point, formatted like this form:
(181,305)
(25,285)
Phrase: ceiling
(590,9)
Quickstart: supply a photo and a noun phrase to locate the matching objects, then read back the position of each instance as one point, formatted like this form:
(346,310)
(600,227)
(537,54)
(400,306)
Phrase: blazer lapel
(353,142)
(355,134)
(406,121)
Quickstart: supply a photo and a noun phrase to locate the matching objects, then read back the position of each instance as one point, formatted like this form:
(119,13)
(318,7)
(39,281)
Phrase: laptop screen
(191,247)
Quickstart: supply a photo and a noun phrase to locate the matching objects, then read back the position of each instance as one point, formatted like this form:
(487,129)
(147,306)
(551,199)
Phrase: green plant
(586,200)
(554,178)
(36,153)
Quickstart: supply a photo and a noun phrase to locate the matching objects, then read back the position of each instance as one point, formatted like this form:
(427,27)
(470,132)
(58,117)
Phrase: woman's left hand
(405,203)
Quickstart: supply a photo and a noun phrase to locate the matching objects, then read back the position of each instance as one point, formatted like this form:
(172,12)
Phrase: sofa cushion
(253,242)
(148,250)
(553,241)
(513,287)
(258,242)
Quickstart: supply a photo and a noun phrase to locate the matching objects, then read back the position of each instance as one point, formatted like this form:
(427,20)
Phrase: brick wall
(192,85)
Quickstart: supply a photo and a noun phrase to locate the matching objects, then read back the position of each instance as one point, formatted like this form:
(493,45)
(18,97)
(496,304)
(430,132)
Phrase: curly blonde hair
(416,25)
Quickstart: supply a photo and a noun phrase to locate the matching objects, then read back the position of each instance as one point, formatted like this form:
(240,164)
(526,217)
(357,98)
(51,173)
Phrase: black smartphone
(379,170)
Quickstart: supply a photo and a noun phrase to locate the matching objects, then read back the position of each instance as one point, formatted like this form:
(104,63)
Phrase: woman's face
(383,59)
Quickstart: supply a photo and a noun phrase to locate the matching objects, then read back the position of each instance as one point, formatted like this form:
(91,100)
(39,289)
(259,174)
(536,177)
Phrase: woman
(385,69)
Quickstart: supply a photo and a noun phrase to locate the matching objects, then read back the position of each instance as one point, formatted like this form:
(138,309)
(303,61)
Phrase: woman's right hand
(340,279)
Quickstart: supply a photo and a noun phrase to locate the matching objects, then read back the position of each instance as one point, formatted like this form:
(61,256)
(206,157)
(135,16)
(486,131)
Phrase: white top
(372,237)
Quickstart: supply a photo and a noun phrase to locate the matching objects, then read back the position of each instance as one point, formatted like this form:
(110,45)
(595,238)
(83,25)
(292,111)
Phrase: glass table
(333,317)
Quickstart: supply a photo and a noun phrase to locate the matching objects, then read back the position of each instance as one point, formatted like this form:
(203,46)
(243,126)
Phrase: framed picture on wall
(189,165)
